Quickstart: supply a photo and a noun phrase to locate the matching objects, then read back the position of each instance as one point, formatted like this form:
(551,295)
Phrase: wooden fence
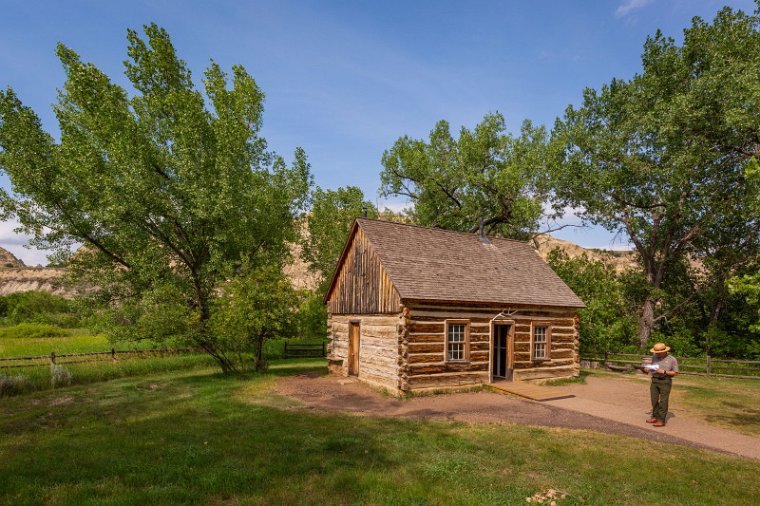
(291,351)
(82,358)
(703,366)
(305,350)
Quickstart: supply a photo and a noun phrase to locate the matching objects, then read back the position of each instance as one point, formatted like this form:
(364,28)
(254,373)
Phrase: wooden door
(502,367)
(353,348)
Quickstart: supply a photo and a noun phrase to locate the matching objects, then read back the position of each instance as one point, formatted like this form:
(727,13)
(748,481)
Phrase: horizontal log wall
(378,347)
(362,285)
(424,364)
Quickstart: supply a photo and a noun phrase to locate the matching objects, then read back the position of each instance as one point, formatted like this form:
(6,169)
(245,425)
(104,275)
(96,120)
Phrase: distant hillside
(619,260)
(8,260)
(17,277)
(26,279)
(299,272)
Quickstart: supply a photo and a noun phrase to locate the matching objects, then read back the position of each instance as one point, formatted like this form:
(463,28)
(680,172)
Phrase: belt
(663,377)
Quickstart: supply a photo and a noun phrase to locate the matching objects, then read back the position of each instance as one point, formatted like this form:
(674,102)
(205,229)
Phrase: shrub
(12,385)
(60,376)
(32,330)
(38,307)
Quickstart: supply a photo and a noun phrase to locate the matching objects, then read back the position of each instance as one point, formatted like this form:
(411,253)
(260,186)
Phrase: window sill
(542,360)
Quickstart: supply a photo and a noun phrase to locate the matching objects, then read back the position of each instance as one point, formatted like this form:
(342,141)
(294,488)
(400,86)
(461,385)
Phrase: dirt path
(602,405)
(625,401)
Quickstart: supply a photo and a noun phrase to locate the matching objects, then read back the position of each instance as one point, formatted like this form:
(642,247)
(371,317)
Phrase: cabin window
(457,340)
(541,341)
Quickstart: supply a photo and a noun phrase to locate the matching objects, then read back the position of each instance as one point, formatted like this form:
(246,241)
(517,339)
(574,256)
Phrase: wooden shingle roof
(435,264)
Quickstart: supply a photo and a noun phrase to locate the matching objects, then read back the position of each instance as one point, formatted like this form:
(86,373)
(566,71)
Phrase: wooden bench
(305,350)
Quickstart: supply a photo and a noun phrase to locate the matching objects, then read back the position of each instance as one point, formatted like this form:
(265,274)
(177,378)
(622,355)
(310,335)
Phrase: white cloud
(629,6)
(8,234)
(16,243)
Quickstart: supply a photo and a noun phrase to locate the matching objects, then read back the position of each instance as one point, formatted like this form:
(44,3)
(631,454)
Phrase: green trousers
(660,391)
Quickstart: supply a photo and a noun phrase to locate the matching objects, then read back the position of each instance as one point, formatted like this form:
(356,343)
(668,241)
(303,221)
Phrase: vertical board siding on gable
(362,285)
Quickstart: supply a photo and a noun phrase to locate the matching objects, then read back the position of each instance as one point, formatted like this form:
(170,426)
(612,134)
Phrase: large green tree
(168,189)
(662,157)
(486,174)
(747,283)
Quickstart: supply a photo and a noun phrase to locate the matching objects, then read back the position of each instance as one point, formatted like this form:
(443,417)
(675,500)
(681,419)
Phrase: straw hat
(660,348)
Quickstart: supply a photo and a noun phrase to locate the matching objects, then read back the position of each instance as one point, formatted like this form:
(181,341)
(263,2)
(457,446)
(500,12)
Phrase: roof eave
(575,305)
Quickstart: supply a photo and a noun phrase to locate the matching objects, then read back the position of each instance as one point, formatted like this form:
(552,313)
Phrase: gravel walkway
(604,405)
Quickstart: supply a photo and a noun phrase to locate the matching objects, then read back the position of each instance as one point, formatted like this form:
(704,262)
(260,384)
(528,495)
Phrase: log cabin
(413,308)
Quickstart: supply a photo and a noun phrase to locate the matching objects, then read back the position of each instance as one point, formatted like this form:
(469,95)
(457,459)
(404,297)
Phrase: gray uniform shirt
(666,363)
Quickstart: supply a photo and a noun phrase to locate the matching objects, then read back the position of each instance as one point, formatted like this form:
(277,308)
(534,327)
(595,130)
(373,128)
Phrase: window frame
(547,341)
(466,342)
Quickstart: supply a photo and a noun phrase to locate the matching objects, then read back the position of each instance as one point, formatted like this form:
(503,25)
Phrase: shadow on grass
(737,415)
(190,438)
(185,441)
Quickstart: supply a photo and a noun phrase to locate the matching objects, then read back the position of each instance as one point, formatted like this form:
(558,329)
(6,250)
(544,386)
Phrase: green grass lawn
(26,379)
(74,341)
(726,402)
(82,341)
(198,437)
(15,380)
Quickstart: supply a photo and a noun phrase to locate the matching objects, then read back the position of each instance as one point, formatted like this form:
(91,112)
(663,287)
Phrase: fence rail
(698,366)
(305,350)
(82,358)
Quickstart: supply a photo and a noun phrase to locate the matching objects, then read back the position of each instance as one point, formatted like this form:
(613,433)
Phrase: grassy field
(75,341)
(82,341)
(730,403)
(26,379)
(197,437)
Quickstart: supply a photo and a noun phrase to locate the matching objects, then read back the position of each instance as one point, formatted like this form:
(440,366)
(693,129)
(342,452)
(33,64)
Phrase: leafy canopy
(663,157)
(254,306)
(486,175)
(169,189)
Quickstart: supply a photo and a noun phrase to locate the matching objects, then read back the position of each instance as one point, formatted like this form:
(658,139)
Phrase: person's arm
(668,373)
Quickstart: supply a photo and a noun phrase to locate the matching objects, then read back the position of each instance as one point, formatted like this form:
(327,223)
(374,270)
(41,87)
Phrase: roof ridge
(437,229)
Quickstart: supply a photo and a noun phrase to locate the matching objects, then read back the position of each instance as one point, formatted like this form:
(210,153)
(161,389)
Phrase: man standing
(662,381)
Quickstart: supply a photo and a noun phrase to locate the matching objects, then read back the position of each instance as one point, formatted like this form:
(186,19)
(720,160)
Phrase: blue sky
(345,79)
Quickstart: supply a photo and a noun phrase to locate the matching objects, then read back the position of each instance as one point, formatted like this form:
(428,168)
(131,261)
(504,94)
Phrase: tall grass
(30,379)
(32,331)
(17,342)
(72,341)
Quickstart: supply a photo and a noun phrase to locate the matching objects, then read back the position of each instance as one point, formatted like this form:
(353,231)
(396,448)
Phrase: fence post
(285,352)
(113,355)
(709,366)
(606,357)
(52,358)
(324,349)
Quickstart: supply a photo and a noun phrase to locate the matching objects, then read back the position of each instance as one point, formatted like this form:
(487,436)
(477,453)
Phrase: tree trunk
(646,322)
(206,341)
(260,353)
(712,327)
